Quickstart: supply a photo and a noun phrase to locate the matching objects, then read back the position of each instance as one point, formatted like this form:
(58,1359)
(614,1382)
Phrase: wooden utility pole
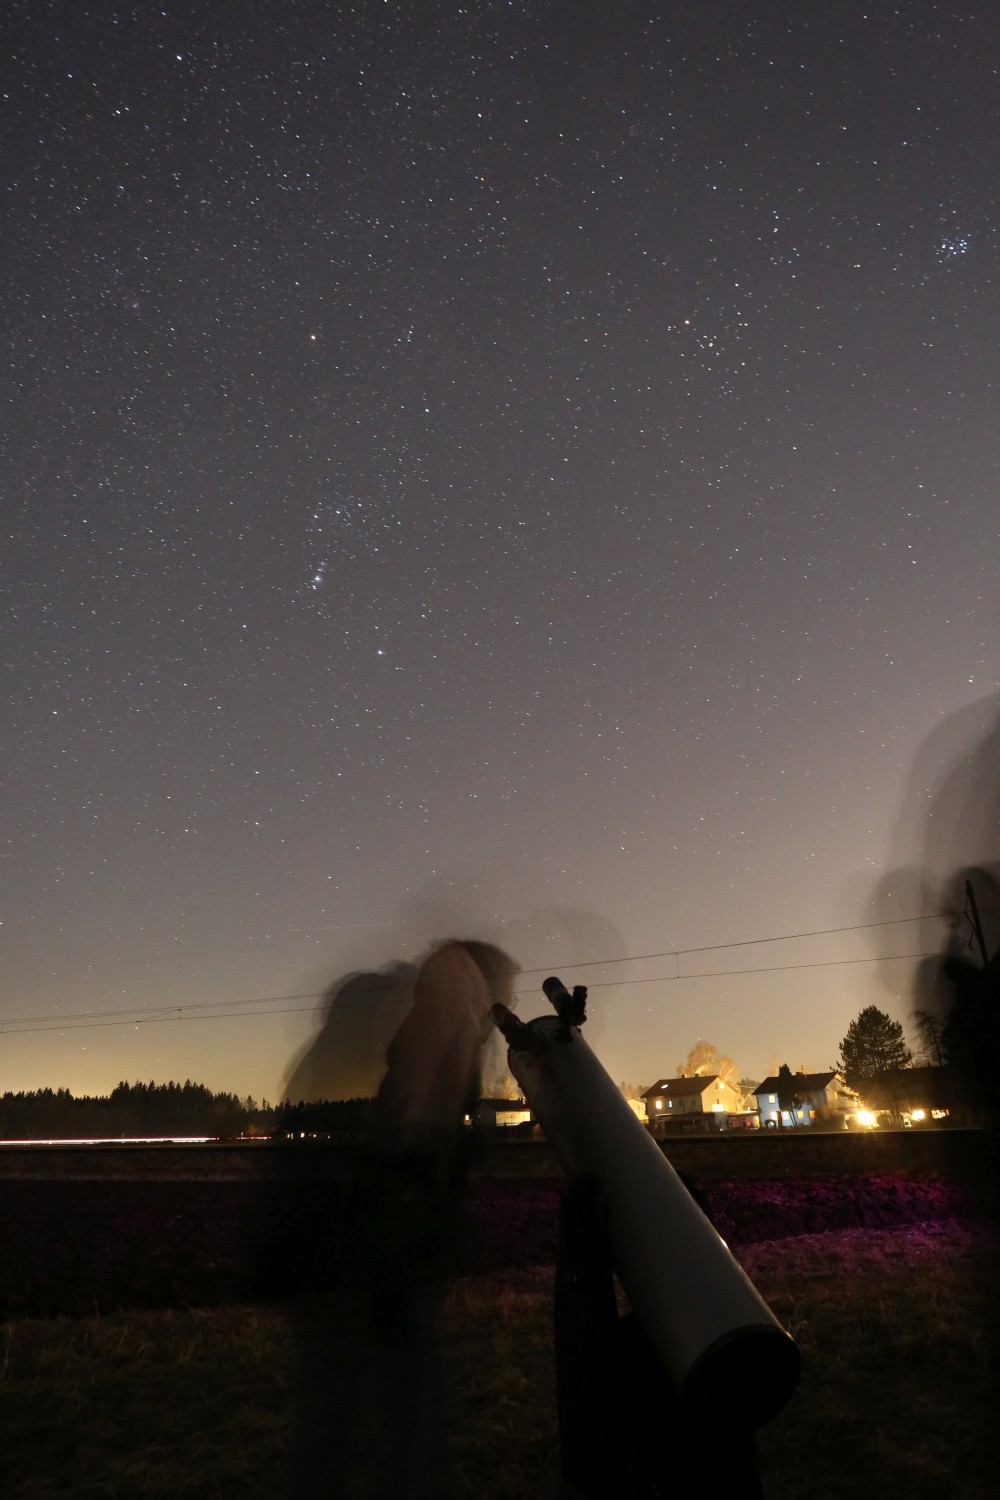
(972,912)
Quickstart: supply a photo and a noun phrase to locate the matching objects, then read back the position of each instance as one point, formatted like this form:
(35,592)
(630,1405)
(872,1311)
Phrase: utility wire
(17,1026)
(172,1012)
(830,963)
(135,1016)
(785,937)
(177,1013)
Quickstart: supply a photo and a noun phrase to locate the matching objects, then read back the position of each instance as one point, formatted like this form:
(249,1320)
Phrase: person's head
(467,973)
(498,969)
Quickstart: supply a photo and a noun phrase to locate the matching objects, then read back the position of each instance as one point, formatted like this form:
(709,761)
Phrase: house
(822,1098)
(500,1114)
(703,1102)
(918,1096)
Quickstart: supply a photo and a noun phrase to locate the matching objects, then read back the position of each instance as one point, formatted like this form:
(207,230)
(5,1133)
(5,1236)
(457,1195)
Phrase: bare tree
(789,1099)
(631,1090)
(705,1060)
(504,1086)
(930,1030)
(746,1087)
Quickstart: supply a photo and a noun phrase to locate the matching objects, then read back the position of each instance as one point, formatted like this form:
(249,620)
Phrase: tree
(704,1061)
(789,1099)
(504,1086)
(930,1031)
(746,1088)
(873,1047)
(631,1090)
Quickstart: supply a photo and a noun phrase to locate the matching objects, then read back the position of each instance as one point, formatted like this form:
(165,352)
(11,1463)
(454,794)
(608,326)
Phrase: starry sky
(518,470)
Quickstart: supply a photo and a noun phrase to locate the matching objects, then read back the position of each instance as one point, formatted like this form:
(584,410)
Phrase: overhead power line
(785,937)
(254,1006)
(829,963)
(179,1012)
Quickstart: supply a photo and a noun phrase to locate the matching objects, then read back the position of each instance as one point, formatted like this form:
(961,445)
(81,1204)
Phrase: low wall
(263,1161)
(969,1155)
(966,1155)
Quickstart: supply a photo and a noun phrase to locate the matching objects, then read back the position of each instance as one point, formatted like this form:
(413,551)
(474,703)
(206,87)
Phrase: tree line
(131,1109)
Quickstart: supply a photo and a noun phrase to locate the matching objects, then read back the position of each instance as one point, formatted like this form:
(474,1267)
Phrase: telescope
(723,1351)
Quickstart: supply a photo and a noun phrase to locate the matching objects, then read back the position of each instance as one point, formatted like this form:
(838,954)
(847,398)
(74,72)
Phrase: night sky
(525,471)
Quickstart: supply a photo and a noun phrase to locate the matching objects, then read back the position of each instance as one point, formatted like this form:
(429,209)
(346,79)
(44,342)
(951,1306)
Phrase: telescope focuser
(517,1034)
(570,1008)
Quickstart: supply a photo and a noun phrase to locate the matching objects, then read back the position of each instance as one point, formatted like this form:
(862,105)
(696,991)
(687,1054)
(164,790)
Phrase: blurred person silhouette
(346,1058)
(970,969)
(403,1219)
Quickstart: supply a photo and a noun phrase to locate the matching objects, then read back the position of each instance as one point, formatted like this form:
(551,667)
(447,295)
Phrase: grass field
(897,1329)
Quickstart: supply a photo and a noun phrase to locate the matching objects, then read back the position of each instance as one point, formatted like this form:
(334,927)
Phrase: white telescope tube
(714,1334)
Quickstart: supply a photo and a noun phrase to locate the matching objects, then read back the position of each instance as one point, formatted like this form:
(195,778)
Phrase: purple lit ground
(76,1247)
(888,1283)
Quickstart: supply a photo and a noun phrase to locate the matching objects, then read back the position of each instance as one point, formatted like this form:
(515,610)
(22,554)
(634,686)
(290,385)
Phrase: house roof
(683,1087)
(804,1083)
